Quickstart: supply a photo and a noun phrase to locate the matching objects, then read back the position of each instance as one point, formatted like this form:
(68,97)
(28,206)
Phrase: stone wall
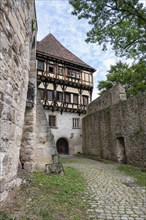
(116,131)
(45,143)
(25,138)
(113,96)
(17,39)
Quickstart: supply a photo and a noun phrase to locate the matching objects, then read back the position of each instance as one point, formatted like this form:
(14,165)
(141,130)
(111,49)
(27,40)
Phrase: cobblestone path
(110,193)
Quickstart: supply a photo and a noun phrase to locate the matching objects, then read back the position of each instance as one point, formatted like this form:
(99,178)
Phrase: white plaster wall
(65,128)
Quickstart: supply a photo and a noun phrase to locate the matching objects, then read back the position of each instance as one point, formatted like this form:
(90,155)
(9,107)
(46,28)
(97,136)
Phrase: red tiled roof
(52,47)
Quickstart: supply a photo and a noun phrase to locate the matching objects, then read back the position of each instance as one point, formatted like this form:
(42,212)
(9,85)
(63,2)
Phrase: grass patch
(135,172)
(4,216)
(52,197)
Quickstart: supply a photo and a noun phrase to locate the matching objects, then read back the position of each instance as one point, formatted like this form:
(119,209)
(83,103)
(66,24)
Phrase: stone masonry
(22,133)
(115,128)
(110,194)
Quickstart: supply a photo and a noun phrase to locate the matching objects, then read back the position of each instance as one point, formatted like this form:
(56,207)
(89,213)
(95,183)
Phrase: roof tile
(52,47)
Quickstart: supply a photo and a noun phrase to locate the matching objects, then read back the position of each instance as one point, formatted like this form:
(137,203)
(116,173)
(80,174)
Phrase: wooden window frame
(40,61)
(76,123)
(87,98)
(42,96)
(50,65)
(67,93)
(50,99)
(71,72)
(58,96)
(52,121)
(61,73)
(77,96)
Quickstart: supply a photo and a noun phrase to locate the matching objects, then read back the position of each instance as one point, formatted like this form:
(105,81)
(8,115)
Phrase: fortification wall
(118,131)
(107,99)
(17,40)
(25,139)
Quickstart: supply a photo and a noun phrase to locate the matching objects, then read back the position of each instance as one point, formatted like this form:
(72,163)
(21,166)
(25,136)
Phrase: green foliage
(132,78)
(135,172)
(120,23)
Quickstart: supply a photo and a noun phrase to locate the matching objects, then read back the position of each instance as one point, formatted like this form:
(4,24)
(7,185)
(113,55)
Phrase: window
(77,75)
(60,70)
(75,98)
(73,73)
(69,71)
(50,94)
(85,100)
(67,97)
(40,65)
(76,123)
(59,96)
(52,120)
(50,68)
(41,91)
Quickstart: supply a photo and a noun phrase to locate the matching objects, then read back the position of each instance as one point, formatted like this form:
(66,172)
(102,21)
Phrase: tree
(122,23)
(133,78)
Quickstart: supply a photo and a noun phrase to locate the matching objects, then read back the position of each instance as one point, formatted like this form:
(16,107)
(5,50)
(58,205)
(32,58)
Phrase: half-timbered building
(65,85)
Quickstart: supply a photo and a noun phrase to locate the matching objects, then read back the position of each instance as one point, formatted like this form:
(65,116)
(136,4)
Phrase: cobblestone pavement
(110,193)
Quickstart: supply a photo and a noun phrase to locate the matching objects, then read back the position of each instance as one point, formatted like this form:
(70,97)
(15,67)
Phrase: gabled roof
(52,47)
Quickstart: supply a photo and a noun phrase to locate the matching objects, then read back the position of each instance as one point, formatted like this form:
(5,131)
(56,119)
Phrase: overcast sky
(54,16)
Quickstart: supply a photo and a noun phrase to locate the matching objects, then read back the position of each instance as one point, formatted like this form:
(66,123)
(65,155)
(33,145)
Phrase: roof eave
(63,59)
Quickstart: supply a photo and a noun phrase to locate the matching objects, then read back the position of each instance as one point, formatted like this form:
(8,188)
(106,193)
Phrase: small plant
(34,25)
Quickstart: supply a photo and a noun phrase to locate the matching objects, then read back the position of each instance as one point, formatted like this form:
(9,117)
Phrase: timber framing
(65,82)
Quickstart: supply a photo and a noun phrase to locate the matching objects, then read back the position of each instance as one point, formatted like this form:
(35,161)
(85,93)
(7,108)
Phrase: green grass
(135,172)
(52,198)
(4,216)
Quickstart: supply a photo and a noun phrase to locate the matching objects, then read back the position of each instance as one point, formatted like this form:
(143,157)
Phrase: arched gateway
(62,146)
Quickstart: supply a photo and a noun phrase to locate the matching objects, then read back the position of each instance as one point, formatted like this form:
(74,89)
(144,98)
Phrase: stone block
(56,168)
(15,183)
(2,185)
(29,166)
(3,196)
(1,109)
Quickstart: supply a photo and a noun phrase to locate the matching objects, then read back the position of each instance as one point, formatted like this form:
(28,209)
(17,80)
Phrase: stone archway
(62,146)
(121,151)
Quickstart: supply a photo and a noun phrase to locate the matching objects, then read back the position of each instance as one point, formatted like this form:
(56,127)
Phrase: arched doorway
(121,151)
(62,146)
